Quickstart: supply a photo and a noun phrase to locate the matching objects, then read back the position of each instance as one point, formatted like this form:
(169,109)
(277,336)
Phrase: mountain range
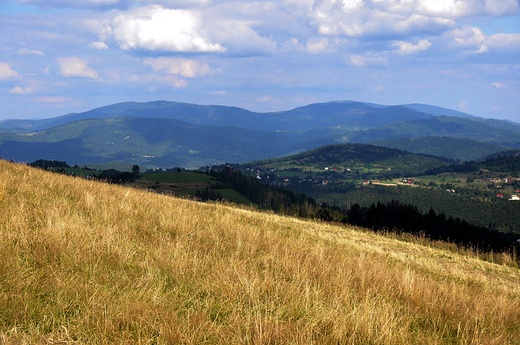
(168,134)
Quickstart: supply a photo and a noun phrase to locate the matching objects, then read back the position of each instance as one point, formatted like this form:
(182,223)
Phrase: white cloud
(6,72)
(500,8)
(17,90)
(316,45)
(265,98)
(25,51)
(160,29)
(497,85)
(368,60)
(375,18)
(183,67)
(406,48)
(468,37)
(474,41)
(503,42)
(76,67)
(360,18)
(98,45)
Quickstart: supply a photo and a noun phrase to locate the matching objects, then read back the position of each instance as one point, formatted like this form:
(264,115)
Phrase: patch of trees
(395,216)
(43,163)
(108,175)
(208,194)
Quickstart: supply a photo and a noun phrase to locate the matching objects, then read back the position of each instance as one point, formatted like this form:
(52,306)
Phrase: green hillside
(447,147)
(351,160)
(438,126)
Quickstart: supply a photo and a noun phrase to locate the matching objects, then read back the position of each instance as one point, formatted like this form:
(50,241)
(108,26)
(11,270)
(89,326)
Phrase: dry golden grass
(90,263)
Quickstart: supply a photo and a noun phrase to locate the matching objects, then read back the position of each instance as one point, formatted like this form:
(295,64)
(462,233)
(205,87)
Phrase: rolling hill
(446,147)
(346,162)
(86,262)
(154,142)
(448,126)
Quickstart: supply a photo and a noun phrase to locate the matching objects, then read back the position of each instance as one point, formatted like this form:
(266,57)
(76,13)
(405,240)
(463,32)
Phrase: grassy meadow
(84,262)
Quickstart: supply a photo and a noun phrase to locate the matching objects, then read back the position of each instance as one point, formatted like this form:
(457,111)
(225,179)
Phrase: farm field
(87,262)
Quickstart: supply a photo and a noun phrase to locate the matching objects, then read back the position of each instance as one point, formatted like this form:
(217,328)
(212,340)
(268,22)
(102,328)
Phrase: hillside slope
(84,262)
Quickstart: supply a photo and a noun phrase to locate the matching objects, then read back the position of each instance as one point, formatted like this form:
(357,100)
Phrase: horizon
(61,57)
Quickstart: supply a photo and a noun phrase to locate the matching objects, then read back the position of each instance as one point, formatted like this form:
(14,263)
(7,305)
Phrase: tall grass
(90,263)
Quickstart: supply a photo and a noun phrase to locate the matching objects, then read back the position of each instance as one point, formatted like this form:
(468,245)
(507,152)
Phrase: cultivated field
(91,263)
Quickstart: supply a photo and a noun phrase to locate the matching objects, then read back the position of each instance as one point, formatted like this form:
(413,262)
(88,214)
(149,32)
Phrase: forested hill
(447,147)
(504,162)
(347,156)
(441,126)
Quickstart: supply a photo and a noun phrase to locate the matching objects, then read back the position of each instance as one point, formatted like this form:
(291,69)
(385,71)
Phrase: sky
(64,56)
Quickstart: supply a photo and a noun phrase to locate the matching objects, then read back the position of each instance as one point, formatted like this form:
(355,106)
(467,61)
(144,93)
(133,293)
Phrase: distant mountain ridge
(192,134)
(312,116)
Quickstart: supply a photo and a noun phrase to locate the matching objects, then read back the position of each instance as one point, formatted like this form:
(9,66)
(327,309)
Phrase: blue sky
(63,56)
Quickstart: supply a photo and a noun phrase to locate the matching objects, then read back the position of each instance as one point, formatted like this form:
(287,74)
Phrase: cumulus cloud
(375,18)
(76,67)
(160,29)
(183,67)
(98,45)
(503,41)
(25,51)
(474,41)
(17,90)
(265,98)
(362,18)
(316,45)
(500,8)
(222,28)
(406,48)
(368,60)
(468,37)
(6,72)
